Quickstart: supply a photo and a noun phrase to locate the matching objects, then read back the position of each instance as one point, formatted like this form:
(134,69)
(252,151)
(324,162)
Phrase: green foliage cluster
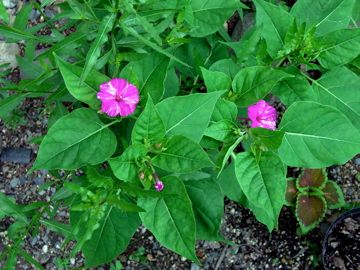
(195,83)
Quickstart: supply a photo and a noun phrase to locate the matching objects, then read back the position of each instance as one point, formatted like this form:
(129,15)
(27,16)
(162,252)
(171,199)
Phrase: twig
(222,256)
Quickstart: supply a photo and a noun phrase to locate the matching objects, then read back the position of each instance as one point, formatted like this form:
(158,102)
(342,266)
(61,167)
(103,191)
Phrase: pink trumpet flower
(262,115)
(118,97)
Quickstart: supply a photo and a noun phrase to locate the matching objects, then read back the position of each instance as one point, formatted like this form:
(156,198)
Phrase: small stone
(8,52)
(16,155)
(72,261)
(10,3)
(194,267)
(357,161)
(14,182)
(183,259)
(38,181)
(45,248)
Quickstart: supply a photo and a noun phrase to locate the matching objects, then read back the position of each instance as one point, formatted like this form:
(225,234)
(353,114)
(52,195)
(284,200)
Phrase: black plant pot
(342,242)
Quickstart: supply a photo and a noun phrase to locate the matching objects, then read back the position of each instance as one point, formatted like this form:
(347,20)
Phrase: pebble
(45,248)
(72,261)
(357,161)
(16,155)
(194,267)
(10,3)
(14,182)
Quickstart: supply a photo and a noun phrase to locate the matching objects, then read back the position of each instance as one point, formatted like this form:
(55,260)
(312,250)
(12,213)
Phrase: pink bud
(159,185)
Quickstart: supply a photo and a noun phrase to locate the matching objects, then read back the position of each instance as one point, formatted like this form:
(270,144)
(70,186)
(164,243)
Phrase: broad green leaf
(229,184)
(188,115)
(206,17)
(309,211)
(171,218)
(269,139)
(263,183)
(274,22)
(77,139)
(341,47)
(215,80)
(224,110)
(171,84)
(125,166)
(111,238)
(325,15)
(148,127)
(150,73)
(339,88)
(10,208)
(182,155)
(317,136)
(227,66)
(10,103)
(294,89)
(95,50)
(254,83)
(333,195)
(208,207)
(223,131)
(16,34)
(87,90)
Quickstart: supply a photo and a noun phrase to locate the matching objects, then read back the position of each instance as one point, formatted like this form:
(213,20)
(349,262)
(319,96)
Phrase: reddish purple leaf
(310,210)
(312,178)
(291,191)
(333,195)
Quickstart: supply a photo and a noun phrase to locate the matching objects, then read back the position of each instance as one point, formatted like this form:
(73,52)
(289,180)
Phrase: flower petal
(126,108)
(111,108)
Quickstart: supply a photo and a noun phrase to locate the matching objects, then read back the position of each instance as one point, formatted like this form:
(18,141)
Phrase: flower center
(118,98)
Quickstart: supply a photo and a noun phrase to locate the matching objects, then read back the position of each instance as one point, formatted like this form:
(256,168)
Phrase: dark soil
(343,245)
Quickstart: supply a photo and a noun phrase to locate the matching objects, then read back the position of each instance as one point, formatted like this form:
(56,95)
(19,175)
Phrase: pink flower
(262,115)
(159,185)
(118,97)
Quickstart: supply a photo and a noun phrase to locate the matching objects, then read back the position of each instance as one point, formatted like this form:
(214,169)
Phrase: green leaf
(338,88)
(61,228)
(263,183)
(122,204)
(309,211)
(171,218)
(16,34)
(148,127)
(22,16)
(215,80)
(8,104)
(274,22)
(86,91)
(111,238)
(333,195)
(125,166)
(67,42)
(224,110)
(314,178)
(188,115)
(77,139)
(341,47)
(223,131)
(294,89)
(150,73)
(325,15)
(227,66)
(95,50)
(9,208)
(317,136)
(229,184)
(254,83)
(208,207)
(268,139)
(206,17)
(98,180)
(229,149)
(182,155)
(3,13)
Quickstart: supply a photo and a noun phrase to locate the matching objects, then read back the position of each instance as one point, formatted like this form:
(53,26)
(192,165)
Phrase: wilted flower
(118,97)
(262,115)
(159,185)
